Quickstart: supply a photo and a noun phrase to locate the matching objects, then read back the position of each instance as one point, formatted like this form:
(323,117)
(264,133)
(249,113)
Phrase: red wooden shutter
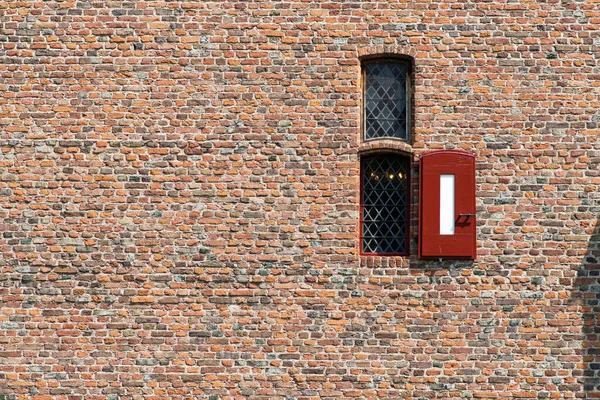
(458,166)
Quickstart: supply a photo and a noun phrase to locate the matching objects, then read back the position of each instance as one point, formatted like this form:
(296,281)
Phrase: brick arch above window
(381,51)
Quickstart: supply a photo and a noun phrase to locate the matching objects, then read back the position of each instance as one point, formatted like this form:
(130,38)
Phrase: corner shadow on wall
(586,291)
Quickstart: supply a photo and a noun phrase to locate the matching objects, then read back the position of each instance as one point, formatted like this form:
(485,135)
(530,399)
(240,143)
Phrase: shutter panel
(447,220)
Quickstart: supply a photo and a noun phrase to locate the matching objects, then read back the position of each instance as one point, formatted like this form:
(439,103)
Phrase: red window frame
(407,213)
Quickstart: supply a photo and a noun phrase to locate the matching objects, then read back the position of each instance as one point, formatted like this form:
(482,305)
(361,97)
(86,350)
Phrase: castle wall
(179,201)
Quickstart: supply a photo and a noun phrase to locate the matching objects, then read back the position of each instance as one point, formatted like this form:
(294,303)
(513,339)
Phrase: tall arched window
(386,112)
(385,181)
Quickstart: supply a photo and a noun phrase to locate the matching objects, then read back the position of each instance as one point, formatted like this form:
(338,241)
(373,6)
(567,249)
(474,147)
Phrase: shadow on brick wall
(587,292)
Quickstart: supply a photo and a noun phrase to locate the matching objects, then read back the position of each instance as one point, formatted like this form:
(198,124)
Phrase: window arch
(386,99)
(384,204)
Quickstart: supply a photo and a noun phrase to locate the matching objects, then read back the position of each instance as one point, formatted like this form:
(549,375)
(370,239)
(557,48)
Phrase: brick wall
(179,189)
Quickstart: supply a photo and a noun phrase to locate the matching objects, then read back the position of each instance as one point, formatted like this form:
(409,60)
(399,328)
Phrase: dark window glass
(384,204)
(386,94)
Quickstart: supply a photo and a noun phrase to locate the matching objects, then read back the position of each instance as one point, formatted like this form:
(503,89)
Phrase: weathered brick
(180,201)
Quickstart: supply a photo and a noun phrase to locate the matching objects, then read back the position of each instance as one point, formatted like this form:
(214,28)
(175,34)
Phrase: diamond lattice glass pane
(384,201)
(385,101)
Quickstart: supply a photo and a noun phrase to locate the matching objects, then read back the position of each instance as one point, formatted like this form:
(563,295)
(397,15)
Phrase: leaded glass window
(386,112)
(384,204)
